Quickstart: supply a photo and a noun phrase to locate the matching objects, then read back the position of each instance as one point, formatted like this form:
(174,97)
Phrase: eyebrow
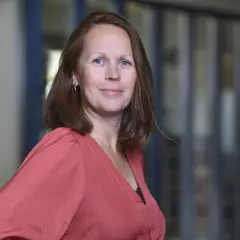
(104,54)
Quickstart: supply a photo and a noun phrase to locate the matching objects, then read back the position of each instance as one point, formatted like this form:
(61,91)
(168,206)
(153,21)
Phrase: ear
(75,80)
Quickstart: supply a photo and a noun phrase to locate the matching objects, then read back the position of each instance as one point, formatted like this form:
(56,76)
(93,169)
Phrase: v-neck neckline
(132,192)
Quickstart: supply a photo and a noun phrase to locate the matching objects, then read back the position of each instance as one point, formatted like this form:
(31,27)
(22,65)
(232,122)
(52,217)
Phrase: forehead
(107,38)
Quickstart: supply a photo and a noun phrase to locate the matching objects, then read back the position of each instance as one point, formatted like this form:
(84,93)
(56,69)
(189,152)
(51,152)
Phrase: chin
(111,111)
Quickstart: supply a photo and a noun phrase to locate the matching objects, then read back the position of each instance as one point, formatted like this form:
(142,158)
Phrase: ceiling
(219,5)
(228,6)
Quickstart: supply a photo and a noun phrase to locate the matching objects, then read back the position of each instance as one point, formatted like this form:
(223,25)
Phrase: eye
(99,61)
(125,63)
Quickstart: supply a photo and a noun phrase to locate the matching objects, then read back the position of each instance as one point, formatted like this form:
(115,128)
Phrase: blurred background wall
(194,49)
(12,74)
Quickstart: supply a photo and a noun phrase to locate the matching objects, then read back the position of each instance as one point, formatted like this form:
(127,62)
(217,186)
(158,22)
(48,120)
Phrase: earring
(74,87)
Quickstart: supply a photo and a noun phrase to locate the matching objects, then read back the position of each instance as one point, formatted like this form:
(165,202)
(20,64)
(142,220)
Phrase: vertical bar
(34,75)
(236,51)
(80,9)
(214,49)
(156,140)
(121,7)
(187,195)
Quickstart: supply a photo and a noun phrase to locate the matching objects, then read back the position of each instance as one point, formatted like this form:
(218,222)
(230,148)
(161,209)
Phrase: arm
(40,201)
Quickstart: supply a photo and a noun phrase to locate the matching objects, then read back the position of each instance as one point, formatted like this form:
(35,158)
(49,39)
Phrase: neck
(105,129)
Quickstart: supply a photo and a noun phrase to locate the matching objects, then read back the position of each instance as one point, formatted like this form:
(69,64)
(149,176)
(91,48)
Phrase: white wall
(11,86)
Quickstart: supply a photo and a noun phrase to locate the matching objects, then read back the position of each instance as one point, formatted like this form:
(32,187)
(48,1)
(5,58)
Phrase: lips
(111,90)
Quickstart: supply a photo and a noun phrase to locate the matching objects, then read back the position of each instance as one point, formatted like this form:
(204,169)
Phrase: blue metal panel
(186,78)
(121,7)
(157,138)
(80,11)
(236,51)
(34,75)
(215,48)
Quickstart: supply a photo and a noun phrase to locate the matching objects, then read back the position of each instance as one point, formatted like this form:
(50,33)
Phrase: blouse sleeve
(39,202)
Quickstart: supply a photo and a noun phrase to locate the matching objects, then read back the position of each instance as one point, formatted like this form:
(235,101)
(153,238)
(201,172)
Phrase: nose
(112,72)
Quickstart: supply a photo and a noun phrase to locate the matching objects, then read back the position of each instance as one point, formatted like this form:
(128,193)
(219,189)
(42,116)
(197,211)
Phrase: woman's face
(107,73)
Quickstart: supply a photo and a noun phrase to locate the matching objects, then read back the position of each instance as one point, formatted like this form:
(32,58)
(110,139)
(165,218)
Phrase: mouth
(111,91)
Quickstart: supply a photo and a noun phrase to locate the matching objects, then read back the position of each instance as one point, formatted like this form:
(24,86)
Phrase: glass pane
(52,67)
(141,16)
(57,22)
(236,163)
(213,172)
(171,112)
(201,126)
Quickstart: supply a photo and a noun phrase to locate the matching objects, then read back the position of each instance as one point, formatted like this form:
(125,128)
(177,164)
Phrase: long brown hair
(63,106)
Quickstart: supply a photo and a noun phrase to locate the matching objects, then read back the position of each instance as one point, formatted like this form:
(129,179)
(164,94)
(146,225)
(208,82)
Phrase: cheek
(90,80)
(130,82)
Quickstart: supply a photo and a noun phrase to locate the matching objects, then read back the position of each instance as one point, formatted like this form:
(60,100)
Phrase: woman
(84,180)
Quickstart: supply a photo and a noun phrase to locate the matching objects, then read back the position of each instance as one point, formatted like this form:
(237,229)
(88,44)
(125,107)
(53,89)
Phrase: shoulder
(60,140)
(57,157)
(59,136)
(55,149)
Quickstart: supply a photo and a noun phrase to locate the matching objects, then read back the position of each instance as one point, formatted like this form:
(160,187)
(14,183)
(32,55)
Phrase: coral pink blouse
(67,188)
